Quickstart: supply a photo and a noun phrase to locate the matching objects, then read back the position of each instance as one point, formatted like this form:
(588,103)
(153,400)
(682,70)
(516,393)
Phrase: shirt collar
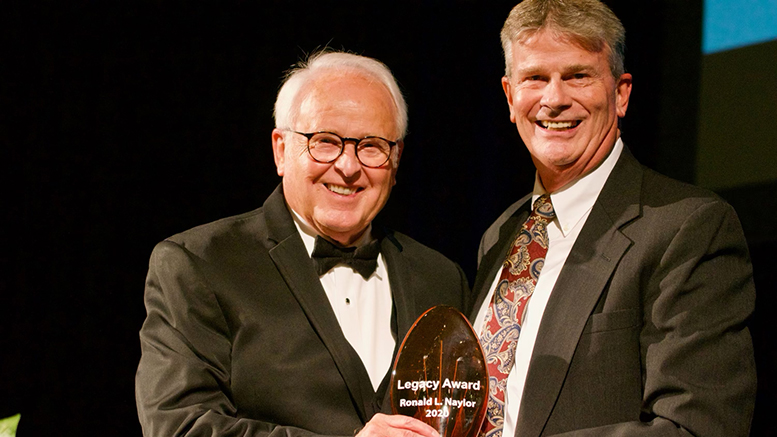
(572,202)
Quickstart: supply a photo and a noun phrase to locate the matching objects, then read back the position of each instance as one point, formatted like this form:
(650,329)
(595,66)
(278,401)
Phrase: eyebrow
(538,70)
(529,71)
(576,68)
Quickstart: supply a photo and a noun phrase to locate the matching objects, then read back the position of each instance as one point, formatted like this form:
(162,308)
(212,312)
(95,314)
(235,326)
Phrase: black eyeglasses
(326,147)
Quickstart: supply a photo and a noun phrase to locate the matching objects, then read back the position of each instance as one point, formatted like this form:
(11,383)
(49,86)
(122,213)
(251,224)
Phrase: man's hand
(382,425)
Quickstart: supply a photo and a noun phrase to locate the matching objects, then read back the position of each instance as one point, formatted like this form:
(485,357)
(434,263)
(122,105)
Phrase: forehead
(346,97)
(551,49)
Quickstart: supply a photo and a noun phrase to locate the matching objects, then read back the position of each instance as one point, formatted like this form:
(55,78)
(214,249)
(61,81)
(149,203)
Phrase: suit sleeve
(183,379)
(698,370)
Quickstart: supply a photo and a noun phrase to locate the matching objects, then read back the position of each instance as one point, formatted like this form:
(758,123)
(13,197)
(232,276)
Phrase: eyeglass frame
(343,140)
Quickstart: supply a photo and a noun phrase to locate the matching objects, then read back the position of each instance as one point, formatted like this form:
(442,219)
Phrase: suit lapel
(290,257)
(401,293)
(585,274)
(496,254)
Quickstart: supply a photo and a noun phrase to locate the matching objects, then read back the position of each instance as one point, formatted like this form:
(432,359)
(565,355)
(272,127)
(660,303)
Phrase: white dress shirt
(363,308)
(572,205)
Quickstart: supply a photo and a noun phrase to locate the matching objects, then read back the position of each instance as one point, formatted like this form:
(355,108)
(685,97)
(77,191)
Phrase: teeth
(558,124)
(345,191)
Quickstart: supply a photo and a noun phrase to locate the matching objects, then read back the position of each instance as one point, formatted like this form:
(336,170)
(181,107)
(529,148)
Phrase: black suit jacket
(240,338)
(645,330)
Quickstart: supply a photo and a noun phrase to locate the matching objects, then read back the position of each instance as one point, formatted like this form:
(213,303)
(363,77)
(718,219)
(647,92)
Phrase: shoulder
(630,179)
(664,186)
(506,215)
(670,214)
(635,194)
(220,237)
(491,235)
(251,229)
(430,275)
(418,260)
(415,251)
(667,197)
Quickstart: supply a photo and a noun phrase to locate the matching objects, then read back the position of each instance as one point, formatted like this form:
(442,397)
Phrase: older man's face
(338,199)
(566,105)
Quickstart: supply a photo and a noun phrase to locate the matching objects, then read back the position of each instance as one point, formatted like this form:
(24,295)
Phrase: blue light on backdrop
(729,24)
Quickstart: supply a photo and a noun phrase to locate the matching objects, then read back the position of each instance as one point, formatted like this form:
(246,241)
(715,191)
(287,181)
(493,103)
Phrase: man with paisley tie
(611,301)
(285,321)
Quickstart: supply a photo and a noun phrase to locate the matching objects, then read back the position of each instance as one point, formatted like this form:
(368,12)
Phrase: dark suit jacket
(645,330)
(240,338)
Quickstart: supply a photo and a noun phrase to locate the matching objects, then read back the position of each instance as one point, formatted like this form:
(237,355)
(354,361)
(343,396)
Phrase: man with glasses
(285,320)
(612,301)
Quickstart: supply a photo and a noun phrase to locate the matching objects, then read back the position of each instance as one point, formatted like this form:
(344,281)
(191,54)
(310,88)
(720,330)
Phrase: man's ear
(278,150)
(622,93)
(400,148)
(395,161)
(508,89)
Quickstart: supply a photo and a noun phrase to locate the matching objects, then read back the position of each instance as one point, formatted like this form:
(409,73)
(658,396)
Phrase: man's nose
(347,163)
(556,95)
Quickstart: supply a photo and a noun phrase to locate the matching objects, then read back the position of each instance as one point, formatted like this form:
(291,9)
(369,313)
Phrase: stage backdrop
(126,122)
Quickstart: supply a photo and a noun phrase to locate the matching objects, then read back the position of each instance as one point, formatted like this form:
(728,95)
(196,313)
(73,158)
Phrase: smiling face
(338,199)
(566,104)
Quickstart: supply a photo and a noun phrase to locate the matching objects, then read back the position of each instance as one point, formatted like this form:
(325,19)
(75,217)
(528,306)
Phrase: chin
(558,153)
(343,227)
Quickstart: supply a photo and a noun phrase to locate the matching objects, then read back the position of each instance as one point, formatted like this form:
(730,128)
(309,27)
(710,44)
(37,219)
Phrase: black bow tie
(363,259)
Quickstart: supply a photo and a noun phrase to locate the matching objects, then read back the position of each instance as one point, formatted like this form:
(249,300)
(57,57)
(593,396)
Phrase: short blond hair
(589,23)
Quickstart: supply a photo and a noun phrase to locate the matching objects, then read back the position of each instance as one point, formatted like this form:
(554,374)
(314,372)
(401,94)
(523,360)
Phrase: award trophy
(440,375)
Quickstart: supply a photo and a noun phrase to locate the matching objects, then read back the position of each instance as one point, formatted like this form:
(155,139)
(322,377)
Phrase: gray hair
(589,23)
(287,101)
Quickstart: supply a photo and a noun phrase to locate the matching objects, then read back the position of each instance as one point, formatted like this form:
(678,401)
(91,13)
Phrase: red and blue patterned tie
(504,318)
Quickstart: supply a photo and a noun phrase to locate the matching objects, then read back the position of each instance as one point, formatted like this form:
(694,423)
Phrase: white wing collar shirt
(363,307)
(572,205)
